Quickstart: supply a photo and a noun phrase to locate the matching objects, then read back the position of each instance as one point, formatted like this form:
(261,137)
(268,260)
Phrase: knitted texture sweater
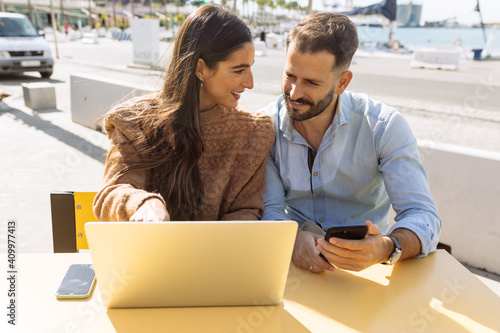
(232,166)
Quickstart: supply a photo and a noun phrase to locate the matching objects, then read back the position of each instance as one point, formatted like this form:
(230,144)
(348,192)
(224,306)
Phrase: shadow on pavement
(84,146)
(17,79)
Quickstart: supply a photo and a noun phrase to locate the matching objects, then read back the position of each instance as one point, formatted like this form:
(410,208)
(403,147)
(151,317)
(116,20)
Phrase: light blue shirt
(368,159)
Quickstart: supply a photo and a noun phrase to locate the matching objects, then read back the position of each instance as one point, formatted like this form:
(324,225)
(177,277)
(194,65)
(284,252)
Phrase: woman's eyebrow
(243,65)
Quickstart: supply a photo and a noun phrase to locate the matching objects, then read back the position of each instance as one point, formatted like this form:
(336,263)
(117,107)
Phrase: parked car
(22,48)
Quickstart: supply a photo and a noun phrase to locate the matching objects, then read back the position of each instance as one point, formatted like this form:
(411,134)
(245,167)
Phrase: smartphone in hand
(346,232)
(77,283)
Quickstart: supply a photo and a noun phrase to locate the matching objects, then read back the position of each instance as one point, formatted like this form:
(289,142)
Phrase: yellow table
(434,294)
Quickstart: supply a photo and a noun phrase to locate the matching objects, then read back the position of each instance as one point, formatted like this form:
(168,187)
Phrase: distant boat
(487,52)
(380,14)
(386,8)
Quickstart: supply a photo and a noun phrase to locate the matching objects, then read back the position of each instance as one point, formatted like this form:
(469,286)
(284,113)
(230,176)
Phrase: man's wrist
(396,252)
(389,248)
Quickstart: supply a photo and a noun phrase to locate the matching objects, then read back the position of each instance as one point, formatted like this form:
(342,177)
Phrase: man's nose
(296,91)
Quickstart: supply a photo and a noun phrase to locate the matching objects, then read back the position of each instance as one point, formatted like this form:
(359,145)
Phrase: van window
(17,27)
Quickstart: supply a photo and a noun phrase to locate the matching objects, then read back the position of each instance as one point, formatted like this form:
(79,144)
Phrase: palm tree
(271,4)
(245,5)
(261,4)
(281,4)
(292,5)
(262,13)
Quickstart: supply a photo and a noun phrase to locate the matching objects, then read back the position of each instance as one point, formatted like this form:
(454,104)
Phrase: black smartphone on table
(77,283)
(346,232)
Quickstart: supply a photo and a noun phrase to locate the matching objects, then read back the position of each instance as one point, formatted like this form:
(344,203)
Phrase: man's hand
(356,255)
(152,210)
(306,256)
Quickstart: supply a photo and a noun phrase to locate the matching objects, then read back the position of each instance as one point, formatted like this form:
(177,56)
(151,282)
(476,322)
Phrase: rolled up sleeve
(407,185)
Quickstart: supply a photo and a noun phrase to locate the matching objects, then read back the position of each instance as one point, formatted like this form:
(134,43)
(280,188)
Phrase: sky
(436,10)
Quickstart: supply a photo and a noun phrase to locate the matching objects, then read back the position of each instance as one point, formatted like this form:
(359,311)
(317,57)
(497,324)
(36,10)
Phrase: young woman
(187,152)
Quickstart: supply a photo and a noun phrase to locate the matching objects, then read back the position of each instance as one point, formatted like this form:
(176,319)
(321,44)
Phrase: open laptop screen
(173,264)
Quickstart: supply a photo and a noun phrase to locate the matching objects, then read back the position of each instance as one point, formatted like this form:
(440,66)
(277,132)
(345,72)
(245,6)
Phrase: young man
(342,159)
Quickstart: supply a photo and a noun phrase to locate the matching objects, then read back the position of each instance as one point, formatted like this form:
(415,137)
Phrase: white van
(22,49)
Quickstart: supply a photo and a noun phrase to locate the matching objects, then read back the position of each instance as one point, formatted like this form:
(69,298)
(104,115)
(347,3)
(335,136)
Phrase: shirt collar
(343,112)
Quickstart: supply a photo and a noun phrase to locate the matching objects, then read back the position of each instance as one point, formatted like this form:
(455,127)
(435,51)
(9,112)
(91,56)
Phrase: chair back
(70,211)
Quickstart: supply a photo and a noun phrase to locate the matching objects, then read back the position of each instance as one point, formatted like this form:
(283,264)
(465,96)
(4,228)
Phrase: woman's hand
(152,210)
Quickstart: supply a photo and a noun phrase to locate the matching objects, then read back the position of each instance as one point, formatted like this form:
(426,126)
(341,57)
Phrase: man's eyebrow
(315,81)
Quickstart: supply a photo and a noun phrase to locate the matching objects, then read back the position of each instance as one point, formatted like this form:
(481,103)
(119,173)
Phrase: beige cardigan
(232,167)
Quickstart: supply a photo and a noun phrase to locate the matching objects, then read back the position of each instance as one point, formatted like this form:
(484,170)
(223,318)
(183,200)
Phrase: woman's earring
(202,81)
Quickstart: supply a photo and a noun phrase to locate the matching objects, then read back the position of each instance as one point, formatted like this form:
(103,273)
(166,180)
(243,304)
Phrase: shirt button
(317,195)
(321,220)
(315,174)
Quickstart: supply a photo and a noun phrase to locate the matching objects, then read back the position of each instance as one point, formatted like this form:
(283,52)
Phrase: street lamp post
(114,15)
(90,14)
(61,19)
(30,11)
(53,19)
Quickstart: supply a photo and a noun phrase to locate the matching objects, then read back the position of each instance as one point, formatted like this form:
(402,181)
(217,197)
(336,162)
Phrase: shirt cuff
(424,231)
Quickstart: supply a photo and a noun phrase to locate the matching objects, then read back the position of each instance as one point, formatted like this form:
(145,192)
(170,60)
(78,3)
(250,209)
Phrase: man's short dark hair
(334,33)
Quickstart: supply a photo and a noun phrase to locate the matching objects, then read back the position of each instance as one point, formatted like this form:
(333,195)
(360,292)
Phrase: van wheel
(46,75)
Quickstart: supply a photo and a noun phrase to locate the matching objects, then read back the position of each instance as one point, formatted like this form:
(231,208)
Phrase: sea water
(469,38)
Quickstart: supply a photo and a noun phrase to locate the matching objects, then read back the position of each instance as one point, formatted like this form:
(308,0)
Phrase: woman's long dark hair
(170,121)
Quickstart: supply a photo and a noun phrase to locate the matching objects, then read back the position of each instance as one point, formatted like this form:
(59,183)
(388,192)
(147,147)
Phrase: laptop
(179,264)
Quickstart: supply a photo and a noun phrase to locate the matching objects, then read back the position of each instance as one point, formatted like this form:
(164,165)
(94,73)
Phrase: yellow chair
(70,211)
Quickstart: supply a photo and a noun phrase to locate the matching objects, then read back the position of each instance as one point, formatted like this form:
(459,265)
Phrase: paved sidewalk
(45,151)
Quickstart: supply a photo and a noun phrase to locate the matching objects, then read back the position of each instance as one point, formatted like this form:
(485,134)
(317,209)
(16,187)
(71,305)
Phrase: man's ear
(345,79)
(201,68)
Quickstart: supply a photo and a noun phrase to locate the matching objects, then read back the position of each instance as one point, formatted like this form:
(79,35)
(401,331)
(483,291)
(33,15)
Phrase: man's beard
(314,110)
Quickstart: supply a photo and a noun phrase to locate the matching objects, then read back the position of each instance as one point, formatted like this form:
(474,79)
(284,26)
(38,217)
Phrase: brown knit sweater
(232,167)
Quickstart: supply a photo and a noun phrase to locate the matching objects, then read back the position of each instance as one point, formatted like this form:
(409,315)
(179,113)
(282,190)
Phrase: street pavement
(43,151)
